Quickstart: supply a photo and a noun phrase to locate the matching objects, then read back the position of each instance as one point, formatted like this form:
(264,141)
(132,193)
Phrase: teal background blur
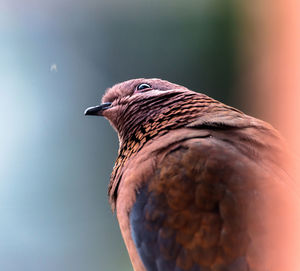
(57,58)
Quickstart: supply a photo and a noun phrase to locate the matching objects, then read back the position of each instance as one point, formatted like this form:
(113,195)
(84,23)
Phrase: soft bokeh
(57,58)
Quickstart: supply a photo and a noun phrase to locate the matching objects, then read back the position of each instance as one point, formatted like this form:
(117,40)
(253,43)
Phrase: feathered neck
(146,120)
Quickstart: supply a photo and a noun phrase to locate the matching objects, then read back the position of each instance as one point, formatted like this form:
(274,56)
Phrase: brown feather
(223,177)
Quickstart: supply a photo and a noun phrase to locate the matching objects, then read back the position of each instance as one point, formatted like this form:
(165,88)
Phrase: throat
(129,146)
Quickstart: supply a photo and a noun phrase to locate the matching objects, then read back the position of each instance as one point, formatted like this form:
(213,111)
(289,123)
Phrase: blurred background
(58,57)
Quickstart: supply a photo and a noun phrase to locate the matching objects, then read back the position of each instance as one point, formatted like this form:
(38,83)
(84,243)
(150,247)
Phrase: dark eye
(143,86)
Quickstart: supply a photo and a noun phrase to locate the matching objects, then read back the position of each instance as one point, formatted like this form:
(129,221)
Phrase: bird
(198,185)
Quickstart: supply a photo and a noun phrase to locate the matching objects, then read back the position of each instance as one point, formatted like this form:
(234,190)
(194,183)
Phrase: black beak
(97,110)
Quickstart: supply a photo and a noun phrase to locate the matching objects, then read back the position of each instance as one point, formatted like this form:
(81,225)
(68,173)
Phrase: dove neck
(146,122)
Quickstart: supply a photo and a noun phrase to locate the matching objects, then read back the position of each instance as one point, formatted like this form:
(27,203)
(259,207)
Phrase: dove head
(137,89)
(129,104)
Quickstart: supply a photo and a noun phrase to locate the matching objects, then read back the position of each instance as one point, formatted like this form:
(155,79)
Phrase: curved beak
(97,110)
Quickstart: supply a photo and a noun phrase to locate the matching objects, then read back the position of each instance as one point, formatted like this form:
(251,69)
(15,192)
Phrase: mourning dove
(198,185)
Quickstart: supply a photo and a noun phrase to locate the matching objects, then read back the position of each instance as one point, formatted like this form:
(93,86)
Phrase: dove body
(198,185)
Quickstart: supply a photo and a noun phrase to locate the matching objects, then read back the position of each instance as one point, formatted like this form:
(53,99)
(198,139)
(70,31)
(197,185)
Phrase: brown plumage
(198,185)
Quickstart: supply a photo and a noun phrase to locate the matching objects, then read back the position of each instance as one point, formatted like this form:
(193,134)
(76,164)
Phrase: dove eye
(143,86)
